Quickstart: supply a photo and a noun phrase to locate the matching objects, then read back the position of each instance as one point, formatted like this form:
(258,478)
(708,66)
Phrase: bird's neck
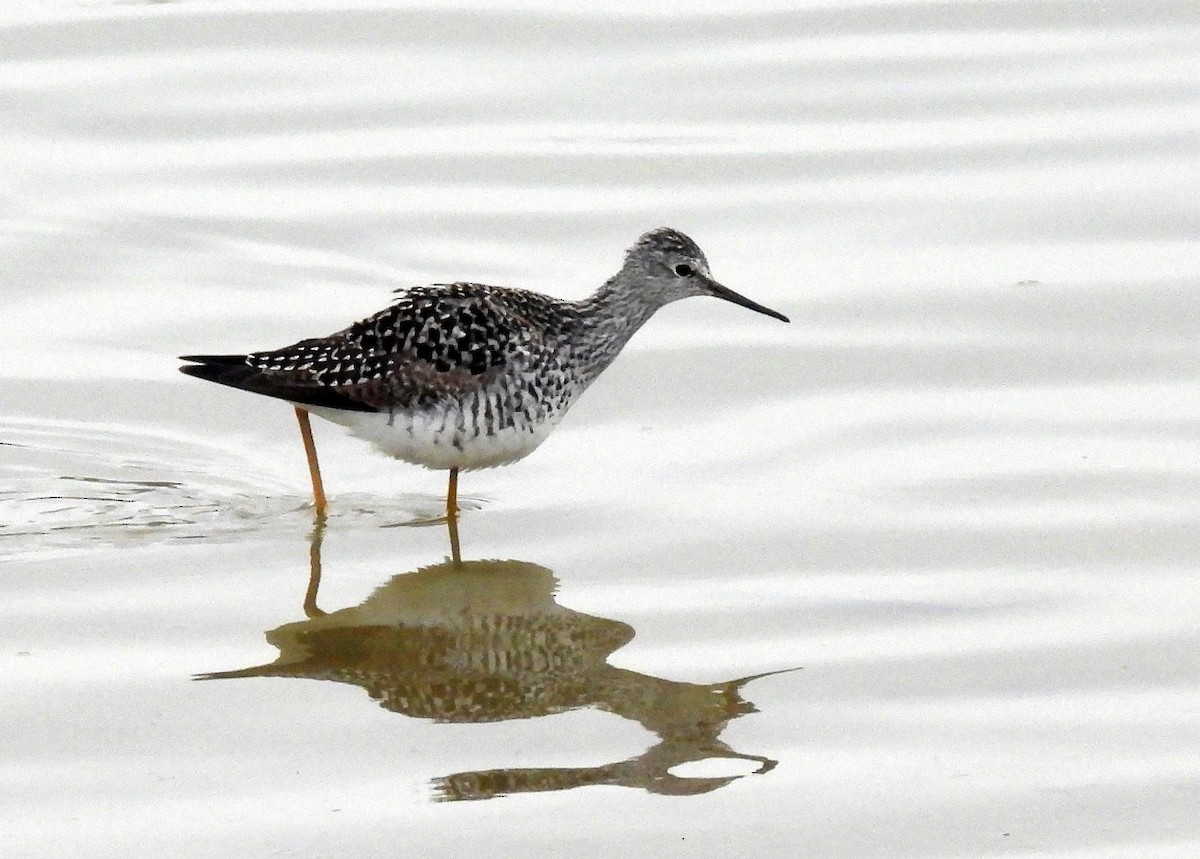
(606,321)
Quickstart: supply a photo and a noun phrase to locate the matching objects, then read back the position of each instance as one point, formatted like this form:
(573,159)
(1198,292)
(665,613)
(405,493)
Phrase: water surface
(913,576)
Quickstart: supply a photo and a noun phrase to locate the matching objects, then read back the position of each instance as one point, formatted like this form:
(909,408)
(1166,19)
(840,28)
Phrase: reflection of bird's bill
(728,294)
(738,684)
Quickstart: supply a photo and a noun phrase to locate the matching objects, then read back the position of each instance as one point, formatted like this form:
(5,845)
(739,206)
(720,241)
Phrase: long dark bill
(729,295)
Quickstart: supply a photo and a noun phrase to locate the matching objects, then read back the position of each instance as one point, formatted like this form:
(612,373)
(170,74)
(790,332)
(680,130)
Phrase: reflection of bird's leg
(314,567)
(452,516)
(314,470)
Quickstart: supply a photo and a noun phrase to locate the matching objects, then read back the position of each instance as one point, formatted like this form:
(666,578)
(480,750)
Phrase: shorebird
(462,376)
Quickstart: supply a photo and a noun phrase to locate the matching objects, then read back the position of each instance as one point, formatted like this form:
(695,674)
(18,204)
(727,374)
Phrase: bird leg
(452,495)
(314,470)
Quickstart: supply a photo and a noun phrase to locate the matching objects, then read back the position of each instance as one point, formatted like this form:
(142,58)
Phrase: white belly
(434,441)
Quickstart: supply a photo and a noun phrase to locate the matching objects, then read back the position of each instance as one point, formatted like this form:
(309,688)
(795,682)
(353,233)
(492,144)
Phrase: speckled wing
(431,344)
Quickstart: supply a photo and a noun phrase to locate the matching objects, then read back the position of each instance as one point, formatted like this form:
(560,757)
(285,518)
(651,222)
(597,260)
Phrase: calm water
(913,576)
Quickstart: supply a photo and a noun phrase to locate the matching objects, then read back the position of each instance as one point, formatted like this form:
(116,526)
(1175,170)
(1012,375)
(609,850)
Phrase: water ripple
(71,486)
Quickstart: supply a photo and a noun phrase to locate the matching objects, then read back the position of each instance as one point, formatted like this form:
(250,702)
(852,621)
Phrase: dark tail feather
(214,359)
(235,375)
(233,371)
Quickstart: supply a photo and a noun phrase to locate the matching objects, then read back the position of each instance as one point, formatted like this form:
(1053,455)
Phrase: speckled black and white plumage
(465,375)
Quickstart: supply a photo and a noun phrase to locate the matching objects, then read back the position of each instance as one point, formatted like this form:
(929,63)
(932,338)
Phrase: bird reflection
(484,641)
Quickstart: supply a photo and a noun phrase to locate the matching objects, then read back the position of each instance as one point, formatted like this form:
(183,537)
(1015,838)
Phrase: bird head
(671,266)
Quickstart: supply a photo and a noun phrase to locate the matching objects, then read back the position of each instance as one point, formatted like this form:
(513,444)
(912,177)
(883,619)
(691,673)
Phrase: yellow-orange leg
(314,470)
(452,516)
(452,495)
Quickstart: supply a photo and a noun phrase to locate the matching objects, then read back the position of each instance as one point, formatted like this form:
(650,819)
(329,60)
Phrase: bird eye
(683,270)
